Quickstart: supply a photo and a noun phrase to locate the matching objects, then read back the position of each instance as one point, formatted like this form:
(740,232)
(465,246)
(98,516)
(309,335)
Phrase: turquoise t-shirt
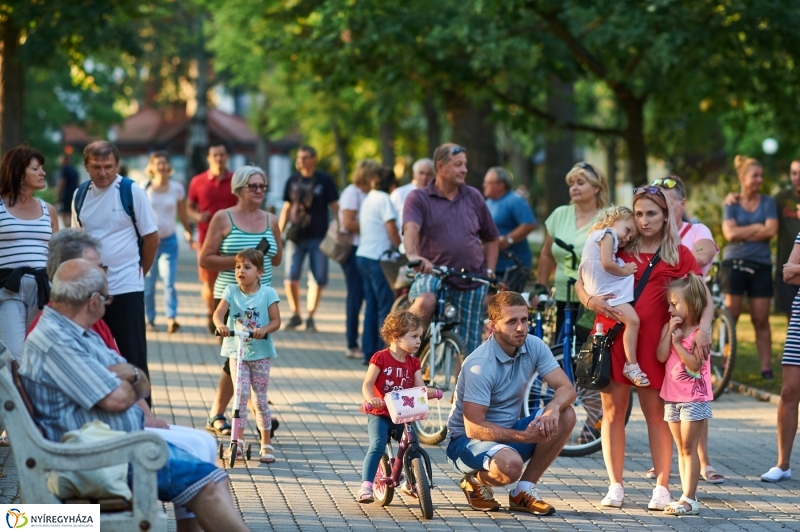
(562,224)
(248,313)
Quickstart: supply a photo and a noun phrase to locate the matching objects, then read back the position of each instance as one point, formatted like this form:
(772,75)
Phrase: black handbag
(593,363)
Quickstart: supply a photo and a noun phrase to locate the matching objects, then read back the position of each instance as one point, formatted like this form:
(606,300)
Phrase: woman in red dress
(657,230)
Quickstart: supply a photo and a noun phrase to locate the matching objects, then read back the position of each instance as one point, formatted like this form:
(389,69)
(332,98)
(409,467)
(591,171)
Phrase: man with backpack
(116,211)
(304,222)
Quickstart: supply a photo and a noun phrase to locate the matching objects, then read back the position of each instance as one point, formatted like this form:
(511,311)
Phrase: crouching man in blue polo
(72,378)
(486,440)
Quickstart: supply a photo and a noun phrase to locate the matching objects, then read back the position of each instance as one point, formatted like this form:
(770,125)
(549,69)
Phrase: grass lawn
(747,370)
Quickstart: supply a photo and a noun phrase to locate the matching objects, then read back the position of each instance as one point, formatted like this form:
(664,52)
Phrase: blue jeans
(379,296)
(317,261)
(166,267)
(355,298)
(378,428)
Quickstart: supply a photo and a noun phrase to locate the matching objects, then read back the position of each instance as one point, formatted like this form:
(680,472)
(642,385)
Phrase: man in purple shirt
(448,224)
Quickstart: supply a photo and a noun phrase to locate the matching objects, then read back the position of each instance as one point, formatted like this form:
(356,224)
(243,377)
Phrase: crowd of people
(84,298)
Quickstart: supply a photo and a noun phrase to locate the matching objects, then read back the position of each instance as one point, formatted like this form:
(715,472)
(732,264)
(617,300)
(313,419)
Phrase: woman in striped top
(26,225)
(231,230)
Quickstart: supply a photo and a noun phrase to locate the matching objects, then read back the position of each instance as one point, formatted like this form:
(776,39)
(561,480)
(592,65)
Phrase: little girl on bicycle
(247,304)
(687,389)
(393,368)
(603,273)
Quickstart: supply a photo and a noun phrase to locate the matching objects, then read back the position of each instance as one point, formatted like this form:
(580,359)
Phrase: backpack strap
(80,197)
(612,334)
(686,229)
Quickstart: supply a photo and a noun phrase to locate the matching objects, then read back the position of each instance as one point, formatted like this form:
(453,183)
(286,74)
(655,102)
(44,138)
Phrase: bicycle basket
(410,404)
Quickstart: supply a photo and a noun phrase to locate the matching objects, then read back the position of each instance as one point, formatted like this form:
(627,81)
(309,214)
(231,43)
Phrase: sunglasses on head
(457,150)
(589,168)
(665,182)
(646,190)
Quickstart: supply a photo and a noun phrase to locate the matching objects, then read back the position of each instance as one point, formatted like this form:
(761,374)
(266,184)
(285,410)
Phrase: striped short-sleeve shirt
(24,242)
(236,241)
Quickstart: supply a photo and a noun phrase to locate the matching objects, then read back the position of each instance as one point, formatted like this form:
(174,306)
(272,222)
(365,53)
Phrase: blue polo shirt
(508,213)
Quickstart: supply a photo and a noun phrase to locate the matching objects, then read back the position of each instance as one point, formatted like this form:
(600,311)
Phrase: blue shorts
(183,476)
(469,456)
(317,261)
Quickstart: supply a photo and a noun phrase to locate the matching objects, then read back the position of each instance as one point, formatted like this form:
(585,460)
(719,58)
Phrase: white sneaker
(660,498)
(776,474)
(614,497)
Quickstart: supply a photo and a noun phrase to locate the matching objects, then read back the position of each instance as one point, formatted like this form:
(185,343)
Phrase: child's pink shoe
(365,493)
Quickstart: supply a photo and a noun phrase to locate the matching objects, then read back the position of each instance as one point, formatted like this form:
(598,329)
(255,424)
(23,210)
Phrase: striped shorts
(468,303)
(791,350)
(675,412)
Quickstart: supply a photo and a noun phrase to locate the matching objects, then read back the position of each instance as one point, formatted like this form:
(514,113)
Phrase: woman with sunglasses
(748,226)
(588,194)
(244,226)
(658,235)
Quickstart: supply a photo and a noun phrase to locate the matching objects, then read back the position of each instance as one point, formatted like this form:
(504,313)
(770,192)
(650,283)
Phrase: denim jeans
(379,296)
(317,261)
(166,267)
(355,298)
(378,428)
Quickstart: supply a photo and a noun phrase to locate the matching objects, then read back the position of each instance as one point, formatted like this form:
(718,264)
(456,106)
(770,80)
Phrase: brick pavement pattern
(322,439)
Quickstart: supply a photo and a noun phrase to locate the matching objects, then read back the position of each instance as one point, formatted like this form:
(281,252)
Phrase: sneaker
(354,353)
(294,322)
(776,474)
(479,496)
(365,495)
(310,327)
(660,498)
(151,327)
(406,488)
(614,497)
(529,501)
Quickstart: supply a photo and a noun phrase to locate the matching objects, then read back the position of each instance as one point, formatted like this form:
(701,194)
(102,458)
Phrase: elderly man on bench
(72,378)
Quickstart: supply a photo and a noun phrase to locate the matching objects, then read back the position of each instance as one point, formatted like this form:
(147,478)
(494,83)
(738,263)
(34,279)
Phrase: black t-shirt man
(325,192)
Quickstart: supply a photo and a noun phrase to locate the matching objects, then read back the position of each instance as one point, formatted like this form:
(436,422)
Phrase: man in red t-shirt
(210,192)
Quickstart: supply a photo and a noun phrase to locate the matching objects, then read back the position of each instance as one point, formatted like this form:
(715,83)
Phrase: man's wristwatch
(509,240)
(489,272)
(137,375)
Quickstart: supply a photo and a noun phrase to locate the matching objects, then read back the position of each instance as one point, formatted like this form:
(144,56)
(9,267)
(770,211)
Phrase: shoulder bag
(336,245)
(593,364)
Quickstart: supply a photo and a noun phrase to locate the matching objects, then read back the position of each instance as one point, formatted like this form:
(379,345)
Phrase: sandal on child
(677,508)
(635,374)
(365,495)
(222,430)
(711,476)
(267,457)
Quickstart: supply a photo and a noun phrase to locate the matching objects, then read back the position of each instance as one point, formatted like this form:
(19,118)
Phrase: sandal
(677,508)
(711,476)
(651,473)
(267,457)
(222,430)
(365,495)
(4,440)
(635,374)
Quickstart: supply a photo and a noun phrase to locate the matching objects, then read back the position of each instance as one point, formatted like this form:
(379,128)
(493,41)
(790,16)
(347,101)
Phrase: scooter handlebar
(241,334)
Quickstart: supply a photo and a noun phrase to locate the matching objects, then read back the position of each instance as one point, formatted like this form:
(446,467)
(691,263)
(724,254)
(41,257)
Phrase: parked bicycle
(411,462)
(723,336)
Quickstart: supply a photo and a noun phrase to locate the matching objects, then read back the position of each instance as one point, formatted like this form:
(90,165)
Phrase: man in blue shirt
(514,220)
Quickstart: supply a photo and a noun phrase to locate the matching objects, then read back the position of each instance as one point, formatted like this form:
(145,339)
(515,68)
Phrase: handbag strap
(612,334)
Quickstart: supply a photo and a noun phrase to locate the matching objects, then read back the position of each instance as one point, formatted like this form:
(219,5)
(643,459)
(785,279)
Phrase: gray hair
(242,175)
(68,244)
(75,292)
(503,176)
(420,162)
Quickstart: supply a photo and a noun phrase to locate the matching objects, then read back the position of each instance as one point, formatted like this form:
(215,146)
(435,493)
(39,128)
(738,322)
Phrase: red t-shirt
(100,327)
(653,310)
(394,375)
(210,195)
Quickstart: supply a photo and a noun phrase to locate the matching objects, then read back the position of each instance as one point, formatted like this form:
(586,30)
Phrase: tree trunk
(611,168)
(559,145)
(12,89)
(387,144)
(634,138)
(472,130)
(341,153)
(197,141)
(434,126)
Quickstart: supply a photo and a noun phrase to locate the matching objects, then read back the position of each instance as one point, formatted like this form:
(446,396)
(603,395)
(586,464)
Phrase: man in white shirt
(103,216)
(423,173)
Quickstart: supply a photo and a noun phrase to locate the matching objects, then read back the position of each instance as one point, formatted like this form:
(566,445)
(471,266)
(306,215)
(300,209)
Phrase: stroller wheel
(248,451)
(221,450)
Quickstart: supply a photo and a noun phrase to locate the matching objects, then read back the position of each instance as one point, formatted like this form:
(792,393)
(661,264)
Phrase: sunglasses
(666,182)
(647,190)
(256,187)
(589,168)
(457,150)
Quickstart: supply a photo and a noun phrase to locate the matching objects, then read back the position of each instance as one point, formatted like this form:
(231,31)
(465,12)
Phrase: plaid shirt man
(64,370)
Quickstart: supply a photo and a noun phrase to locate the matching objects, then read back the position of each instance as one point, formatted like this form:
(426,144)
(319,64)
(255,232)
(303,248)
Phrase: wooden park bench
(35,456)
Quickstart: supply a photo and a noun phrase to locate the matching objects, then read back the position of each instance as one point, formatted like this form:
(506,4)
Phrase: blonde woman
(168,199)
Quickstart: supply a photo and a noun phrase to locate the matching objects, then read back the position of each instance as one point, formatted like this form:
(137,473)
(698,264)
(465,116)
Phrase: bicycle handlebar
(568,248)
(443,272)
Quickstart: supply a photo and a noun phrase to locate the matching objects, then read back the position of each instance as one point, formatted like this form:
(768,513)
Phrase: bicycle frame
(408,449)
(566,336)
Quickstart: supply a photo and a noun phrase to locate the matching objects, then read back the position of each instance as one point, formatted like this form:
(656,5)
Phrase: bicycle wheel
(422,487)
(382,493)
(585,437)
(401,302)
(723,350)
(446,364)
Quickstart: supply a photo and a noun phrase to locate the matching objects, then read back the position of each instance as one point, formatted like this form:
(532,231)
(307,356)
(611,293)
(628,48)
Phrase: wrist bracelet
(707,332)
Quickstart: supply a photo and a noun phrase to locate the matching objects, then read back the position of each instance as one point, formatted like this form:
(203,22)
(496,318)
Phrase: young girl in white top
(603,273)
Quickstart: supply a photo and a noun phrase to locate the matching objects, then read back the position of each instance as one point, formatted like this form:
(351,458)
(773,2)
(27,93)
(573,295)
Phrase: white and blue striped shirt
(24,242)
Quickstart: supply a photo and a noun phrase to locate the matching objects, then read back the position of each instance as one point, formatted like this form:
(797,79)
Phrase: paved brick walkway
(322,439)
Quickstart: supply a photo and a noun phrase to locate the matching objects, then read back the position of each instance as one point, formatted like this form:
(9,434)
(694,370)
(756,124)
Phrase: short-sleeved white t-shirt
(376,210)
(103,217)
(399,196)
(691,235)
(350,200)
(165,207)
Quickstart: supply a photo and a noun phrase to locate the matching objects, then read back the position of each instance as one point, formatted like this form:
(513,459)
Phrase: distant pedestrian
(423,173)
(168,198)
(117,212)
(26,225)
(788,204)
(210,192)
(68,181)
(304,221)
